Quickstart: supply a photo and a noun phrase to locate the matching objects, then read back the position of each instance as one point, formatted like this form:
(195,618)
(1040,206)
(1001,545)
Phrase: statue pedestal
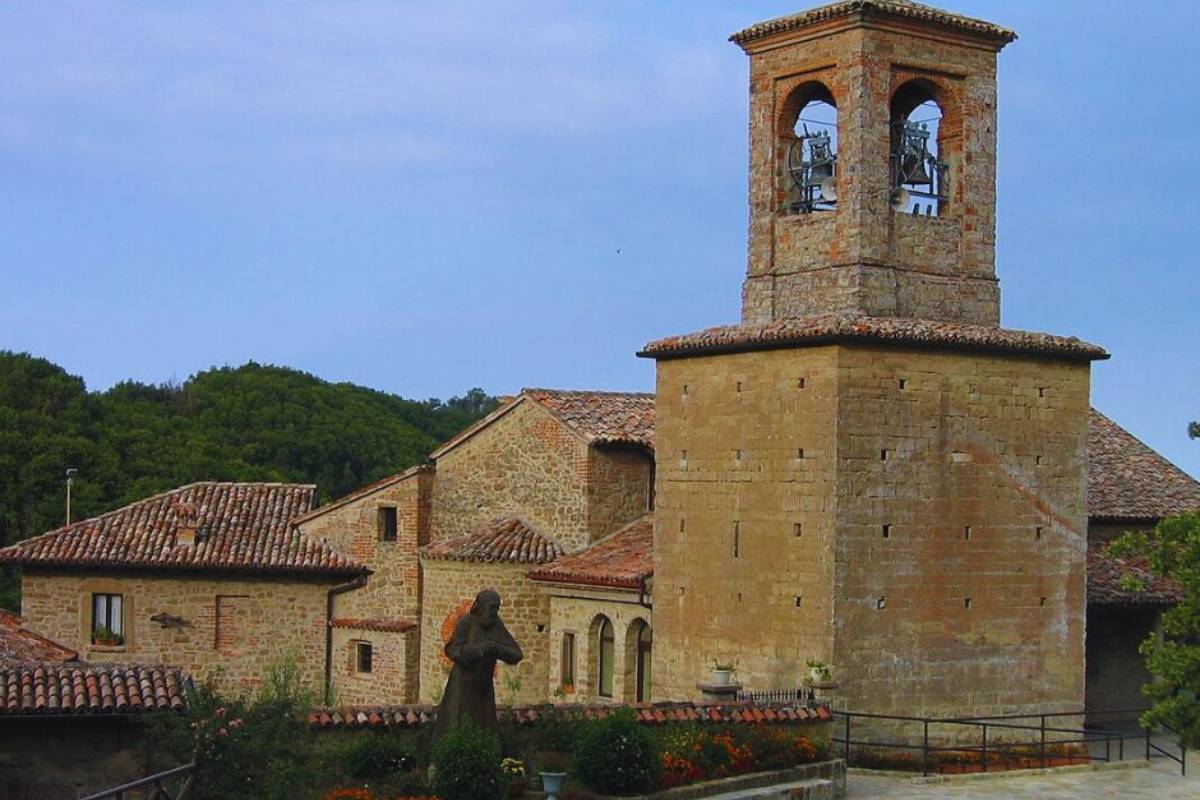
(719,692)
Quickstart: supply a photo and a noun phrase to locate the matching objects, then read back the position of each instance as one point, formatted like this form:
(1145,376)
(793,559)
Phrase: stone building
(867,470)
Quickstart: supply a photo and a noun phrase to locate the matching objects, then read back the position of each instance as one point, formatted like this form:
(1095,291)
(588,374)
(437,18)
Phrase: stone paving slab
(1160,781)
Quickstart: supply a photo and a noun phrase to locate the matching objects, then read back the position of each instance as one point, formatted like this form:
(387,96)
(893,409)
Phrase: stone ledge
(833,771)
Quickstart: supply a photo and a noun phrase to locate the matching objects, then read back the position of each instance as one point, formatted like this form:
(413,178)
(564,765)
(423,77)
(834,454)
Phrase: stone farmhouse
(867,470)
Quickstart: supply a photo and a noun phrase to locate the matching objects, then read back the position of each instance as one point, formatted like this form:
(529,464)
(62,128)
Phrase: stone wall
(729,436)
(525,463)
(233,629)
(394,669)
(619,482)
(777,472)
(450,587)
(1116,671)
(577,611)
(862,256)
(393,590)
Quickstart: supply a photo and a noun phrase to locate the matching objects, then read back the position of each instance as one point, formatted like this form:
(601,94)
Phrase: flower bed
(1004,757)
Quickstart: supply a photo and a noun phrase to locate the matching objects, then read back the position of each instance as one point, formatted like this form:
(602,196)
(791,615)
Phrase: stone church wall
(526,463)
(450,588)
(576,611)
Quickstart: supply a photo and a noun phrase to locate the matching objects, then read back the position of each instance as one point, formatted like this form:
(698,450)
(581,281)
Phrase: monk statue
(479,640)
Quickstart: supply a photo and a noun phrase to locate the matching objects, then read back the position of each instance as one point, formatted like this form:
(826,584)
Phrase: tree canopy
(253,422)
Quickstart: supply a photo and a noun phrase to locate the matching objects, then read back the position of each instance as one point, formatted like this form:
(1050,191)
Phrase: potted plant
(106,638)
(819,672)
(513,770)
(552,767)
(723,672)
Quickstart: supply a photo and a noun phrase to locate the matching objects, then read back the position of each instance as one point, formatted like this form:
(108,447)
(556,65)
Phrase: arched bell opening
(807,150)
(919,162)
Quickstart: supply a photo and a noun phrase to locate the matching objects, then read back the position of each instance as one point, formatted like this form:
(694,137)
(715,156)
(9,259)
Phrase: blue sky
(427,196)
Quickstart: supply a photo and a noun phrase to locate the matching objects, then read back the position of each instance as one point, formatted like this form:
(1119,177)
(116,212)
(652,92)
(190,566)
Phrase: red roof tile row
(1127,480)
(21,646)
(650,714)
(601,417)
(843,328)
(387,625)
(82,689)
(622,560)
(507,539)
(1106,578)
(900,8)
(231,525)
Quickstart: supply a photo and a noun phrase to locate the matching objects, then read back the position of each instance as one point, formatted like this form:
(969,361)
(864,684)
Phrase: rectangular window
(568,660)
(363,656)
(387,523)
(106,619)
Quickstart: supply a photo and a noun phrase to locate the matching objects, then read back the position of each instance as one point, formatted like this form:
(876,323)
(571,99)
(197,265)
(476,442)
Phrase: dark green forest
(247,423)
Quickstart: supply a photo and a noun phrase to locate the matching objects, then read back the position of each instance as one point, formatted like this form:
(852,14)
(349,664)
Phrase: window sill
(108,648)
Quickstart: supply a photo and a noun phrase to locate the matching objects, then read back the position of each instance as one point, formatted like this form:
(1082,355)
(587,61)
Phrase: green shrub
(466,765)
(616,755)
(378,756)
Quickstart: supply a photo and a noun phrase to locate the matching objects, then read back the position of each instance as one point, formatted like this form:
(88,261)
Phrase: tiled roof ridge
(250,530)
(52,689)
(416,716)
(838,327)
(564,570)
(500,540)
(903,8)
(602,392)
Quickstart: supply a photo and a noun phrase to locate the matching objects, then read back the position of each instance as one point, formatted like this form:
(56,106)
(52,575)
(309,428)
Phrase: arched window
(919,170)
(644,643)
(807,150)
(606,650)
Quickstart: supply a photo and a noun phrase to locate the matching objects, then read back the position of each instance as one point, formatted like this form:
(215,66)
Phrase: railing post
(1147,742)
(1121,747)
(985,768)
(846,744)
(1043,745)
(925,750)
(1182,759)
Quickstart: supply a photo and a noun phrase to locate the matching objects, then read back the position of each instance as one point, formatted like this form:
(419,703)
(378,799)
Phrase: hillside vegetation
(247,423)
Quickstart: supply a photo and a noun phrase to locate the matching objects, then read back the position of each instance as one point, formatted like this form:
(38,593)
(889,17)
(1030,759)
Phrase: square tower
(898,221)
(868,471)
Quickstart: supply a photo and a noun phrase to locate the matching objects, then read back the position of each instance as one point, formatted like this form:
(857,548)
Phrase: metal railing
(988,751)
(803,695)
(152,787)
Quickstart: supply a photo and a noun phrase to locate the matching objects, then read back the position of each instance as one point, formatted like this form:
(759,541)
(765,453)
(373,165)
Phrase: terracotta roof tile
(1104,578)
(507,539)
(900,8)
(76,689)
(21,646)
(361,492)
(1128,480)
(842,328)
(236,526)
(623,559)
(647,714)
(601,417)
(387,625)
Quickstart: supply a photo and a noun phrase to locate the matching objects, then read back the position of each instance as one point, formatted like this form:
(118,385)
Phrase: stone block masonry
(917,519)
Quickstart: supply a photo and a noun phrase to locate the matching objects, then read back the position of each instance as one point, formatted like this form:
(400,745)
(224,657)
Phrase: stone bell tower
(872,250)
(867,470)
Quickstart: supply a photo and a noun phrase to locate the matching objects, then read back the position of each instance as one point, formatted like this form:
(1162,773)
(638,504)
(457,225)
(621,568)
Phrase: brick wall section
(707,603)
(260,621)
(450,586)
(577,611)
(964,439)
(997,444)
(618,488)
(525,463)
(863,257)
(393,659)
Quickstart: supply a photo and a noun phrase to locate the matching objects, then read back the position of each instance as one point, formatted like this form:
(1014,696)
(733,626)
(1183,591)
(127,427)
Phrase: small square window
(363,656)
(797,529)
(800,383)
(887,531)
(967,532)
(883,455)
(967,603)
(799,601)
(881,603)
(388,523)
(903,383)
(1037,533)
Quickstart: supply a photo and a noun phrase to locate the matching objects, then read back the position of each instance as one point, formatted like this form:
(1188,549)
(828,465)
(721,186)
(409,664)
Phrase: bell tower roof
(864,8)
